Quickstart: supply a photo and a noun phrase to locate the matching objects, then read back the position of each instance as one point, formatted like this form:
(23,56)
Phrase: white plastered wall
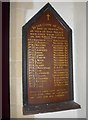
(75,16)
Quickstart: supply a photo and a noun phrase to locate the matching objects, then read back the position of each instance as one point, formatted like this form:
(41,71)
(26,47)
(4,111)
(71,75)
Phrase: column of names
(45,75)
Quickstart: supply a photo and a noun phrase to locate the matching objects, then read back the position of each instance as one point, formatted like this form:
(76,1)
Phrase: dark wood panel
(47,63)
(47,60)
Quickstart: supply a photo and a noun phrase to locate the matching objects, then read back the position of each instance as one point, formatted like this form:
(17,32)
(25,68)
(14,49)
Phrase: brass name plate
(47,63)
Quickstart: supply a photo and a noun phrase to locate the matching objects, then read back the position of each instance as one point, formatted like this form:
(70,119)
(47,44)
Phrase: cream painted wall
(17,15)
(75,16)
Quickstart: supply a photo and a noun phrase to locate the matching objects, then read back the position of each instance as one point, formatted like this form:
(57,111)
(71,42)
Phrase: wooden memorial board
(47,63)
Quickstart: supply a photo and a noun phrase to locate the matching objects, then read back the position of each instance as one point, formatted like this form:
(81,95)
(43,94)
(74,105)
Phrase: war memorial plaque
(47,63)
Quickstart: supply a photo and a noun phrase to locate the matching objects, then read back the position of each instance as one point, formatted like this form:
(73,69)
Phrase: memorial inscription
(48,63)
(48,56)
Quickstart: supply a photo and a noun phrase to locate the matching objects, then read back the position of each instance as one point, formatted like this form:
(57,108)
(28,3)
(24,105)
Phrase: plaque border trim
(26,107)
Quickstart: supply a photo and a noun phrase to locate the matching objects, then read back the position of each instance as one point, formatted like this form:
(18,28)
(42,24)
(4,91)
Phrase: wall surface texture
(75,16)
